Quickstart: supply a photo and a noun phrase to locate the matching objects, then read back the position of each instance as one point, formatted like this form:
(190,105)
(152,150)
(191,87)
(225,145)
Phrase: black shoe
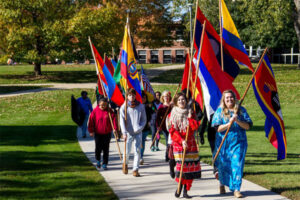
(177,195)
(84,136)
(185,194)
(172,165)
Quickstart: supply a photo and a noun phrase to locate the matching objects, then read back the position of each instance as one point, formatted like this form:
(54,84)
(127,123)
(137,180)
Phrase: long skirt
(191,167)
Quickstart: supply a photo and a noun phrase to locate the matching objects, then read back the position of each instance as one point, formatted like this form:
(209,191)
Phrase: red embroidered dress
(191,168)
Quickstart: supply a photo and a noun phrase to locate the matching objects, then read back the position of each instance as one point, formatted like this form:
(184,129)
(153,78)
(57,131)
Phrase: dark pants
(166,135)
(153,131)
(102,144)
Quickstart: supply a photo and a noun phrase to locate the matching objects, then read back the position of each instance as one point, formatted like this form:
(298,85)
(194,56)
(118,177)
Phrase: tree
(259,23)
(36,30)
(296,14)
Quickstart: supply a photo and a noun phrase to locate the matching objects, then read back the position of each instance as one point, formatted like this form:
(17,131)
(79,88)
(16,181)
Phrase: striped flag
(266,93)
(147,86)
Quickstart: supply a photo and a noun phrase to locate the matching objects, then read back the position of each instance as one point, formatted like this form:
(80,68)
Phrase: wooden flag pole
(221,35)
(194,88)
(198,61)
(241,101)
(165,116)
(192,49)
(111,122)
(110,119)
(124,168)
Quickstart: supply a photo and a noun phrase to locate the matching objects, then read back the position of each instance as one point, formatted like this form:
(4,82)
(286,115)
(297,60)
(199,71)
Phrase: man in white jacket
(132,129)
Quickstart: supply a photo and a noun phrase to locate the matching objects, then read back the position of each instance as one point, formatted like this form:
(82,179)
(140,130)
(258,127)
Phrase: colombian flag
(128,65)
(232,38)
(266,93)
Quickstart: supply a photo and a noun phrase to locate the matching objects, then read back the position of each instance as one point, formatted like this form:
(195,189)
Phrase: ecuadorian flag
(232,38)
(128,65)
(266,93)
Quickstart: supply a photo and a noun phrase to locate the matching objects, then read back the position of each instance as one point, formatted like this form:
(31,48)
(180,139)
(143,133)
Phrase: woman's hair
(131,91)
(165,93)
(225,110)
(175,100)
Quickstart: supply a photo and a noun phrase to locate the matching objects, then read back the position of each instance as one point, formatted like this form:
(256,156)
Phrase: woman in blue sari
(231,160)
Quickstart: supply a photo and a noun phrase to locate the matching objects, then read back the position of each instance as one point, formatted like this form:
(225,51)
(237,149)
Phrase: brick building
(168,54)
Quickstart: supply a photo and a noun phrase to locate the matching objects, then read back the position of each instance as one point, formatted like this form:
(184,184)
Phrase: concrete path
(155,182)
(151,73)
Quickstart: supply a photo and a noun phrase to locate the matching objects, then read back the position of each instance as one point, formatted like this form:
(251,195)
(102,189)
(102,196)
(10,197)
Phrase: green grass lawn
(9,89)
(39,153)
(53,73)
(261,166)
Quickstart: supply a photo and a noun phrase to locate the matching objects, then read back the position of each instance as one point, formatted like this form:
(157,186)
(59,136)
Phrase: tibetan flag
(232,38)
(231,68)
(213,80)
(147,86)
(111,89)
(266,93)
(198,92)
(128,65)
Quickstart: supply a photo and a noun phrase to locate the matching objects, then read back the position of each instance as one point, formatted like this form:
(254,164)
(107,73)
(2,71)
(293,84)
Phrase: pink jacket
(99,122)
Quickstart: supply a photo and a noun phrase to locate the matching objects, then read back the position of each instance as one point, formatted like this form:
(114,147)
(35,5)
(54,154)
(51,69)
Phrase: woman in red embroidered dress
(178,120)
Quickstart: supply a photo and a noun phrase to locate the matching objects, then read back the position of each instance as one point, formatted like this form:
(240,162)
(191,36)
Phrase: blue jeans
(145,134)
(137,148)
(84,125)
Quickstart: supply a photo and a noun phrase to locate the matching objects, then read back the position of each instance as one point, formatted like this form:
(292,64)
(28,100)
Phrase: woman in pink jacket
(100,127)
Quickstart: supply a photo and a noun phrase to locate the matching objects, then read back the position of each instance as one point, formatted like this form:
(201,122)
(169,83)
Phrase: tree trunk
(297,24)
(37,69)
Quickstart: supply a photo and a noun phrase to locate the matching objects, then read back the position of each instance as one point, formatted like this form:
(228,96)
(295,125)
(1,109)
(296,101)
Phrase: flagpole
(192,49)
(221,35)
(198,61)
(125,168)
(239,105)
(111,122)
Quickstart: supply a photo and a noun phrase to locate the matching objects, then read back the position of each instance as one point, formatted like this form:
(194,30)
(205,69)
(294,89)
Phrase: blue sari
(231,160)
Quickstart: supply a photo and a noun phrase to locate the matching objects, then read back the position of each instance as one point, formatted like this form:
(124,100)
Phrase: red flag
(109,65)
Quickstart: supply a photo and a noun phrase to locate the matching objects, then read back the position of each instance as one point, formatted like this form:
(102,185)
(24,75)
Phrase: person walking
(146,129)
(179,120)
(85,104)
(155,104)
(231,159)
(163,110)
(132,129)
(100,128)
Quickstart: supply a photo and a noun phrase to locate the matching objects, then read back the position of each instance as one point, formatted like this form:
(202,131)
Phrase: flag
(128,65)
(232,38)
(111,89)
(213,81)
(231,68)
(114,63)
(198,92)
(147,86)
(109,65)
(266,93)
(100,91)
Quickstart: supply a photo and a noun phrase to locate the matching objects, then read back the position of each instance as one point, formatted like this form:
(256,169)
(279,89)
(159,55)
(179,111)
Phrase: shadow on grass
(45,162)
(55,76)
(36,135)
(10,89)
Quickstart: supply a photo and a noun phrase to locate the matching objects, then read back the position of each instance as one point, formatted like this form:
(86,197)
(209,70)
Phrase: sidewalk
(155,181)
